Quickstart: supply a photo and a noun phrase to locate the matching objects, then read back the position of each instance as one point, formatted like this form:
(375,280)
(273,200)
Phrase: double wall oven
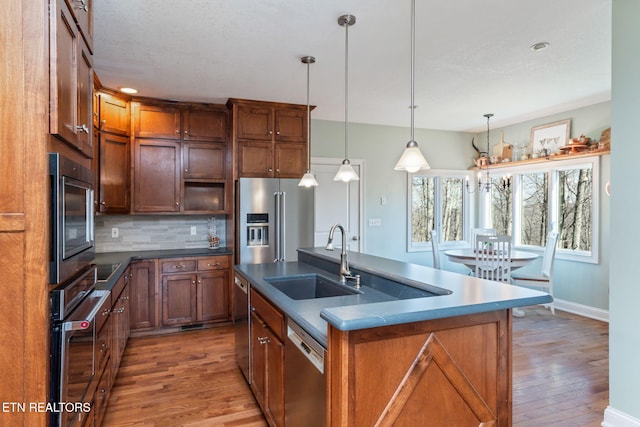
(78,310)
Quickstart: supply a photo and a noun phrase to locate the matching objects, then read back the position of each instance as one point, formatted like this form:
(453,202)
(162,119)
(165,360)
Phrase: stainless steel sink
(310,286)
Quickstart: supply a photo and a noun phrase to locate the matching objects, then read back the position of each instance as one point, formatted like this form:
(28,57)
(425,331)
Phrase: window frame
(467,208)
(553,168)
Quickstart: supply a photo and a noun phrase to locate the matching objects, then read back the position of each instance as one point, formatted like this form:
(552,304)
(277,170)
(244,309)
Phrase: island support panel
(452,371)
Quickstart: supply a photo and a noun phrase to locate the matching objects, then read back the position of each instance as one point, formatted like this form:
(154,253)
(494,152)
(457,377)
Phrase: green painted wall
(624,338)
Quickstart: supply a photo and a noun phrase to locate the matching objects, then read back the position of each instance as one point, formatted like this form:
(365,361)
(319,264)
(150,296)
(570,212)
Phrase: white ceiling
(472,57)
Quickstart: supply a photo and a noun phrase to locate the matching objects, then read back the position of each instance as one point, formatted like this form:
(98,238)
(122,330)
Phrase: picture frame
(547,139)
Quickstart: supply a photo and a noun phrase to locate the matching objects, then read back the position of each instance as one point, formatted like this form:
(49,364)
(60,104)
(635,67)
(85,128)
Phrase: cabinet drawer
(103,347)
(271,316)
(213,263)
(177,265)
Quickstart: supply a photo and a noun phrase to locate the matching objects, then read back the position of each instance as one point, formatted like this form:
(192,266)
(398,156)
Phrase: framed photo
(547,139)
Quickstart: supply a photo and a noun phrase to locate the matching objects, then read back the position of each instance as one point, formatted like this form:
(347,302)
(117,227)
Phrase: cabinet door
(258,359)
(83,13)
(178,299)
(153,121)
(204,125)
(143,296)
(275,379)
(290,159)
(290,125)
(63,69)
(213,296)
(84,127)
(255,159)
(114,115)
(114,172)
(156,176)
(204,160)
(255,123)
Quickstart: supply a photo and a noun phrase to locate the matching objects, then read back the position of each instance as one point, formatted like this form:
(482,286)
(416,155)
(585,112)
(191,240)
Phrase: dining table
(467,256)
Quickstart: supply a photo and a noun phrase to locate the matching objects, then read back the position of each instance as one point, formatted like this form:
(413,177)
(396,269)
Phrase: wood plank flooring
(560,377)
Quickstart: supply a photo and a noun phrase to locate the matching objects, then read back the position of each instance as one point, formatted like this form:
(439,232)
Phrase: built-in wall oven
(72,246)
(78,311)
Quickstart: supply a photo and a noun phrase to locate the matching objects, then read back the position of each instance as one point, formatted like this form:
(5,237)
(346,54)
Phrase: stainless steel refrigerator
(274,218)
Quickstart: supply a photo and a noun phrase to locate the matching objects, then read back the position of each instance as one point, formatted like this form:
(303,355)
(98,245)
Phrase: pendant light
(346,172)
(412,159)
(308,180)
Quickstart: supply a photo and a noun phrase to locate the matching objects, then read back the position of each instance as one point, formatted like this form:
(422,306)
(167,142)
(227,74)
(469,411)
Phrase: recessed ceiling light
(539,46)
(128,90)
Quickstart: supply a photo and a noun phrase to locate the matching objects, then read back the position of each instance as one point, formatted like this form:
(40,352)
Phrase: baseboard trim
(582,310)
(615,418)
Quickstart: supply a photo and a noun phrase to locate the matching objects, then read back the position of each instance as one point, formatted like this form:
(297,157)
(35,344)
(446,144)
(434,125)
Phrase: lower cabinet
(194,290)
(143,303)
(267,355)
(120,330)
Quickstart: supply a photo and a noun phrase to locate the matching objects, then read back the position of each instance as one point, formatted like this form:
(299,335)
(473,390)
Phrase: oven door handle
(78,325)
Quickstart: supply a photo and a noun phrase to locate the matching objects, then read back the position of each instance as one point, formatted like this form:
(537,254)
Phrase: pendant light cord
(346,88)
(413,63)
(308,121)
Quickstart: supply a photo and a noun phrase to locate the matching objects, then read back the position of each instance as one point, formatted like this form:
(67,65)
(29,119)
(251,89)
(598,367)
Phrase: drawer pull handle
(217,264)
(179,266)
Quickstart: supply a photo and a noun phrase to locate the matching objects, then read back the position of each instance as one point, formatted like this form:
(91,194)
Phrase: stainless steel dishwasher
(304,381)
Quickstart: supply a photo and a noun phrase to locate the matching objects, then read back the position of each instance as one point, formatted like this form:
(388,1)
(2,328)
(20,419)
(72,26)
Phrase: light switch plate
(193,230)
(115,232)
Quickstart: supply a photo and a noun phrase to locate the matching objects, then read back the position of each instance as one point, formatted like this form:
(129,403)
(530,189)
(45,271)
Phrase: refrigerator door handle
(278,226)
(283,228)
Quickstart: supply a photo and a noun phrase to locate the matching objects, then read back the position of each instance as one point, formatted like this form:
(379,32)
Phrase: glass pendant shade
(346,172)
(308,180)
(412,159)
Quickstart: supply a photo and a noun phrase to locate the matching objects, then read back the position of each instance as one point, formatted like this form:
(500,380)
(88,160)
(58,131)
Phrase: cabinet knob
(277,132)
(186,132)
(178,131)
(193,283)
(278,170)
(83,128)
(270,132)
(186,170)
(103,203)
(177,203)
(270,170)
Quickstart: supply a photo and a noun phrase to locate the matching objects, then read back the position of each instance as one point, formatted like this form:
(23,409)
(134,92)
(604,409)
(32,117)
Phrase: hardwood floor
(560,377)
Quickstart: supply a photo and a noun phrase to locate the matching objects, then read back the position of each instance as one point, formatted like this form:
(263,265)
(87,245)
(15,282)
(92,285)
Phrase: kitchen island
(440,359)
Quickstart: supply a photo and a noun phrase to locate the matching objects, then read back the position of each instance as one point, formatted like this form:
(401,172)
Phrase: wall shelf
(553,157)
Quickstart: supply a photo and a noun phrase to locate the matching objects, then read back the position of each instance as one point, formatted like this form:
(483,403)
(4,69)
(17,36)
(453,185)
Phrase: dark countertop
(466,294)
(125,258)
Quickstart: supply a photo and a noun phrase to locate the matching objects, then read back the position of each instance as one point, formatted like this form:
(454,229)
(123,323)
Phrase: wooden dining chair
(435,249)
(478,231)
(493,257)
(544,278)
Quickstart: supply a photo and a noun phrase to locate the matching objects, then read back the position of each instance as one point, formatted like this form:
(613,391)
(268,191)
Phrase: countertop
(462,294)
(125,258)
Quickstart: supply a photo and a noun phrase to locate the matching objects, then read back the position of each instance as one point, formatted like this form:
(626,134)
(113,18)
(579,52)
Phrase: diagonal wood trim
(433,351)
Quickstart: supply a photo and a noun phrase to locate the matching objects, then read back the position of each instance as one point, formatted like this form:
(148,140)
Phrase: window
(437,201)
(557,195)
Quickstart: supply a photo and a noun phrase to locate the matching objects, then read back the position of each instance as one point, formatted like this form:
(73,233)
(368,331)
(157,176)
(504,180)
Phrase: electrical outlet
(375,222)
(115,232)
(193,230)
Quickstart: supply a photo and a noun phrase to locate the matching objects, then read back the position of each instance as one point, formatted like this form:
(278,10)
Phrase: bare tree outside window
(501,206)
(452,214)
(534,208)
(422,208)
(575,209)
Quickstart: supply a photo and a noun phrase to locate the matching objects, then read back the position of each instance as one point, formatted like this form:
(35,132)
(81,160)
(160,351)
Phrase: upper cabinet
(71,80)
(270,138)
(113,114)
(181,158)
(187,123)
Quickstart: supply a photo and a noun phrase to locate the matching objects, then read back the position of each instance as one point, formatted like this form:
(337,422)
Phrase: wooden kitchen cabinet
(113,173)
(270,138)
(188,122)
(156,176)
(267,355)
(82,11)
(113,114)
(198,165)
(144,296)
(195,290)
(120,330)
(71,81)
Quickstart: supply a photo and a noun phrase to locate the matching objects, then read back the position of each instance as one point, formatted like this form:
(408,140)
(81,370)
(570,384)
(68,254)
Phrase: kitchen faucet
(345,273)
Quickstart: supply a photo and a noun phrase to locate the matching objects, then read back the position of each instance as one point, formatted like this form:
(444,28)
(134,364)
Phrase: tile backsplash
(155,232)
